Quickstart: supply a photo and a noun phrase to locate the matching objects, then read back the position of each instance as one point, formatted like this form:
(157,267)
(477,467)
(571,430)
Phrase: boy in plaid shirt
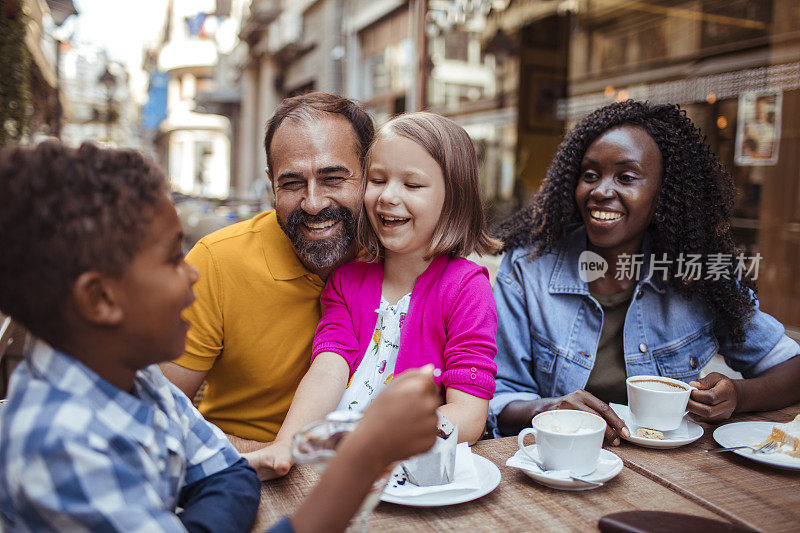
(93,437)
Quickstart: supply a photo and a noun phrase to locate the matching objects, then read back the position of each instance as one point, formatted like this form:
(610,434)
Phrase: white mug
(657,402)
(566,440)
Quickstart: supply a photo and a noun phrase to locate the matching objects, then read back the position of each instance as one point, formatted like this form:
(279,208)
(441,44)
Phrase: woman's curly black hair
(692,213)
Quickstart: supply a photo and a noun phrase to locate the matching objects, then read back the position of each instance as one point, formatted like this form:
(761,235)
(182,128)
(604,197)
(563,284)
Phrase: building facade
(733,65)
(31,92)
(362,49)
(97,100)
(517,74)
(193,146)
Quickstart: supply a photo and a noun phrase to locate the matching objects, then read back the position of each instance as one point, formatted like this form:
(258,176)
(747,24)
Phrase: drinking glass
(315,445)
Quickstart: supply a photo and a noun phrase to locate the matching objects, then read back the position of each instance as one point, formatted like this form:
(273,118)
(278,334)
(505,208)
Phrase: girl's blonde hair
(461,229)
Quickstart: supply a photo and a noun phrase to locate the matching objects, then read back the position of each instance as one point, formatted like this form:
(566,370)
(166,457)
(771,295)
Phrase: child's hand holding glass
(399,423)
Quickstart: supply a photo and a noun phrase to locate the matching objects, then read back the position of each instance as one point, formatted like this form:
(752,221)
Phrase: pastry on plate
(788,436)
(649,434)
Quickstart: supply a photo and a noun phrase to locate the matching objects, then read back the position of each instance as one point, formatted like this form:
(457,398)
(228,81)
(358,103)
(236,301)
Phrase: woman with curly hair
(633,186)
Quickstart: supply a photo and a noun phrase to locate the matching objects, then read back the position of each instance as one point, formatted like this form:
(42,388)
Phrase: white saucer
(608,466)
(488,475)
(753,434)
(670,440)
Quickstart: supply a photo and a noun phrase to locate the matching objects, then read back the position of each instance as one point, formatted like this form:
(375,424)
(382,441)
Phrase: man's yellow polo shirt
(252,325)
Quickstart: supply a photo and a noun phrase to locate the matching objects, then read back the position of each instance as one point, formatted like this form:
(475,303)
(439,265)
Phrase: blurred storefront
(30,93)
(734,65)
(385,49)
(473,79)
(516,74)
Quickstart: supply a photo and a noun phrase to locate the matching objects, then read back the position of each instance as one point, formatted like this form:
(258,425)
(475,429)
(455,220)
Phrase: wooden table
(735,488)
(686,480)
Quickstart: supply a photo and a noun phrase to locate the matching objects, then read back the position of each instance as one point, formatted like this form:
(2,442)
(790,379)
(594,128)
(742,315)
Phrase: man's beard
(324,253)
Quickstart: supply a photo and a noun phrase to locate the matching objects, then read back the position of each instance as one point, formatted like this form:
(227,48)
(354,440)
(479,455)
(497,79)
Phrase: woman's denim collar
(565,278)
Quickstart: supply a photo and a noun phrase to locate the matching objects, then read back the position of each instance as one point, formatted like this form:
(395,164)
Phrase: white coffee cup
(657,402)
(566,440)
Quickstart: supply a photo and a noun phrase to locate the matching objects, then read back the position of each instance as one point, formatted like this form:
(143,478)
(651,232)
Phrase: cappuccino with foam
(657,402)
(660,385)
(566,440)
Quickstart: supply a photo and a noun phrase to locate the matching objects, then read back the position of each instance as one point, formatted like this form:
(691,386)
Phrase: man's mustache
(334,213)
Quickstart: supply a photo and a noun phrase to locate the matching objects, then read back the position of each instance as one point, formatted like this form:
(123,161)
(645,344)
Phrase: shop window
(376,75)
(456,45)
(652,43)
(206,84)
(389,70)
(203,155)
(303,89)
(400,105)
(744,20)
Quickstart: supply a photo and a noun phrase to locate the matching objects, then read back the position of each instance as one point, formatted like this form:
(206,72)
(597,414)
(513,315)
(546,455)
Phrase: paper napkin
(466,478)
(519,460)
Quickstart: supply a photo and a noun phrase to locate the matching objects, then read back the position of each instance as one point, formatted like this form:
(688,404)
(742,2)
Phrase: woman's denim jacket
(549,328)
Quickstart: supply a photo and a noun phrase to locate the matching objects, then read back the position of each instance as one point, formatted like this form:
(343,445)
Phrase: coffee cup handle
(521,442)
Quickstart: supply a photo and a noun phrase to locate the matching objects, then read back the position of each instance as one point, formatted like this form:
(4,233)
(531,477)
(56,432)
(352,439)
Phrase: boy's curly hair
(66,211)
(692,213)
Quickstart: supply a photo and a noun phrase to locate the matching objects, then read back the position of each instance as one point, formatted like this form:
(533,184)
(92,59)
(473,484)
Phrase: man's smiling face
(317,183)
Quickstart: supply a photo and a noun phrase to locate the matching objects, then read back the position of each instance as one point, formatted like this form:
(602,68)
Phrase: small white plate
(753,434)
(670,440)
(608,466)
(488,475)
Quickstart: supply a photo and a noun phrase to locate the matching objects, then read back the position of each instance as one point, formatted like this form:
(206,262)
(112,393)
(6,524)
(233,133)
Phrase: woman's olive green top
(607,379)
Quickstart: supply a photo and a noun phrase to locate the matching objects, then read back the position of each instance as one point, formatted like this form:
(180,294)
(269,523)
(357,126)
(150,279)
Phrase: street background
(192,82)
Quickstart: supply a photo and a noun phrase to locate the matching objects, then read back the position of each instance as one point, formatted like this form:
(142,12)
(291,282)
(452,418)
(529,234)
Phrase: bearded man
(257,304)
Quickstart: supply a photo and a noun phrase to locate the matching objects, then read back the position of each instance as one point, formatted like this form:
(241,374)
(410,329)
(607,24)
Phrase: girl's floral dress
(376,369)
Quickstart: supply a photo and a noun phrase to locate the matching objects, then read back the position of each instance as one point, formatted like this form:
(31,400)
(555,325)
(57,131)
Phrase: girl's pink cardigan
(451,321)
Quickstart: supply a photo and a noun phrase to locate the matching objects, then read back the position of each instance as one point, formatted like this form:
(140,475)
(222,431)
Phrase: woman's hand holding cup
(584,401)
(715,398)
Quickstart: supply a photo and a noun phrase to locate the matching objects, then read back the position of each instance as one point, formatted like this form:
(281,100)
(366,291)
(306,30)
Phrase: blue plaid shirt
(78,454)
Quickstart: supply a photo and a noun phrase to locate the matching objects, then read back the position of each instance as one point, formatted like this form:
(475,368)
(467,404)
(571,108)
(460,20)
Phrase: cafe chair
(10,334)
(5,340)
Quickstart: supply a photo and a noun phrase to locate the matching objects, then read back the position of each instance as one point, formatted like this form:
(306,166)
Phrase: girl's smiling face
(404,195)
(618,188)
